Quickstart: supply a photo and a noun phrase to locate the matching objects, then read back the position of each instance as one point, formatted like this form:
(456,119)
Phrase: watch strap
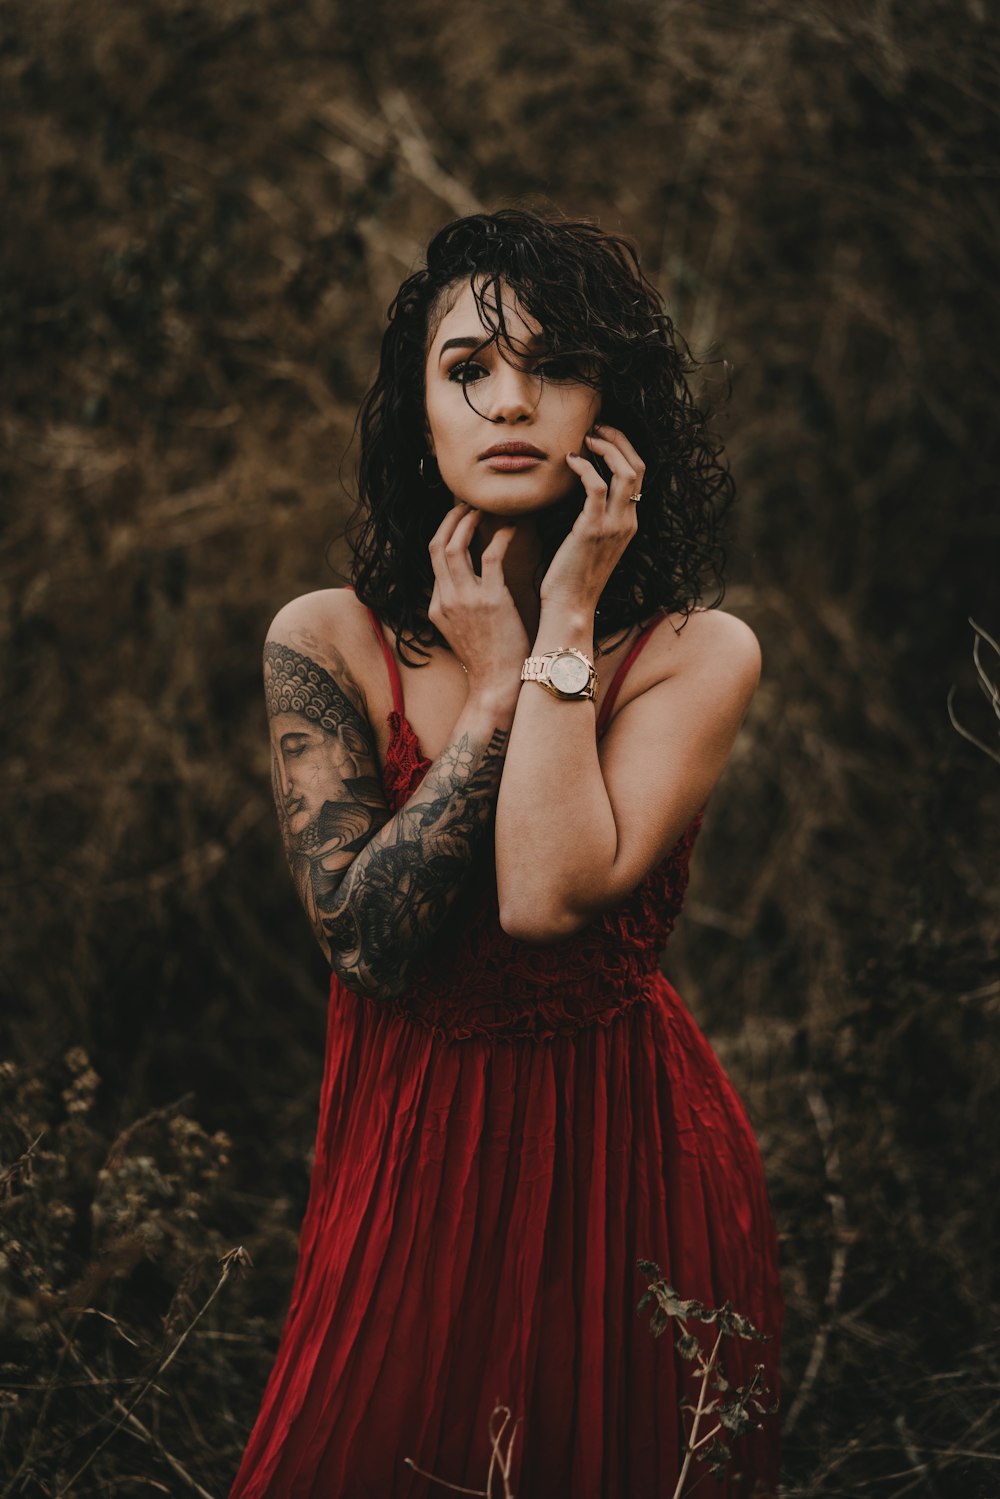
(535,665)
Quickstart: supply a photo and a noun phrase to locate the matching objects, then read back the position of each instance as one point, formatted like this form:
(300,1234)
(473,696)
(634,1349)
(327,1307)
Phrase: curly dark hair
(603,320)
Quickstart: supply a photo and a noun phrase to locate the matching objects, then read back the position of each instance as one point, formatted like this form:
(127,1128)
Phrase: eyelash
(458,371)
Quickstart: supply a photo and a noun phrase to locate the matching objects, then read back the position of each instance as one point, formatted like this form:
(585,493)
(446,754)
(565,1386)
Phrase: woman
(491,837)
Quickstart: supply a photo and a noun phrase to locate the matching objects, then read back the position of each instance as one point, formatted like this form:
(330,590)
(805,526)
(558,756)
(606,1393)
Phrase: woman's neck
(520,564)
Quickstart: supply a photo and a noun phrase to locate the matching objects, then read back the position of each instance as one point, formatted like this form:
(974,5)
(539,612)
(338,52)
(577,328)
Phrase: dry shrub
(208,206)
(108,1254)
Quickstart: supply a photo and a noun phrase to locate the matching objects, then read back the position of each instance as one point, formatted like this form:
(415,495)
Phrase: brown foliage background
(207,207)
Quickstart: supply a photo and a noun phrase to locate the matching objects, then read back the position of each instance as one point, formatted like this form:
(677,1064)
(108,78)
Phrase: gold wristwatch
(566,673)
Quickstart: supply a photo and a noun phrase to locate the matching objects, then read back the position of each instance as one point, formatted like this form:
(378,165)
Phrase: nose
(513,395)
(283,780)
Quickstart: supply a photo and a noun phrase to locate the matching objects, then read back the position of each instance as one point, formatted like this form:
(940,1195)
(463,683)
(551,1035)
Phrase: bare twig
(456,1488)
(236,1258)
(167,1111)
(495,1457)
(917,1463)
(415,149)
(499,1461)
(989,689)
(93,1311)
(135,1425)
(19,1170)
(960,729)
(838,1262)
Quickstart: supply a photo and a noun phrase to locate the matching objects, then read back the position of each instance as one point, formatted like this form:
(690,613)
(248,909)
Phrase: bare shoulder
(722,665)
(328,629)
(324,614)
(722,643)
(708,658)
(329,625)
(707,641)
(712,653)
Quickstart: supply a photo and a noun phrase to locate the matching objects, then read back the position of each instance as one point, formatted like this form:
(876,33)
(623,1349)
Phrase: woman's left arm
(579,824)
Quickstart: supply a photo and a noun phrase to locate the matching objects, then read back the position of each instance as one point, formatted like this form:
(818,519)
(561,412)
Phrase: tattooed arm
(375,886)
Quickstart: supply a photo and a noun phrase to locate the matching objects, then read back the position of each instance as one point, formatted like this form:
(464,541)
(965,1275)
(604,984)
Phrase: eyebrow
(532,341)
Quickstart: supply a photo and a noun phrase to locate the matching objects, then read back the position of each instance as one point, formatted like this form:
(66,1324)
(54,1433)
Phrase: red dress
(495,1150)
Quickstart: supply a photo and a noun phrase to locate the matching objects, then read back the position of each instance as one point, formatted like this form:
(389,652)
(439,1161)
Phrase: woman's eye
(465,372)
(558,369)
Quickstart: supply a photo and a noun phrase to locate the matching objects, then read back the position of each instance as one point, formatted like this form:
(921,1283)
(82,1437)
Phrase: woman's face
(305,759)
(478,403)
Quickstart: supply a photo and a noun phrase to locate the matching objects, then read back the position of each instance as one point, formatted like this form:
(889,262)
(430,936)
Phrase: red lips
(512,450)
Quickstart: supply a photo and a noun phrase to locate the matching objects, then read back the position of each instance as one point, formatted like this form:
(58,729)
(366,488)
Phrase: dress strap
(390,661)
(611,696)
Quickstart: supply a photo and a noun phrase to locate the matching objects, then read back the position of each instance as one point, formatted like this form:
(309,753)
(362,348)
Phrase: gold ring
(635,498)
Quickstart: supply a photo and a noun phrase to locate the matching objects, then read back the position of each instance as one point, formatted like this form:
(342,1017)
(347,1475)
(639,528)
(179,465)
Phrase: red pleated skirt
(476,1211)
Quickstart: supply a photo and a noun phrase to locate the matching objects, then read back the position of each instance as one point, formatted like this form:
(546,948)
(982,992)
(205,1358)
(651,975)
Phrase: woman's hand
(578,572)
(476,614)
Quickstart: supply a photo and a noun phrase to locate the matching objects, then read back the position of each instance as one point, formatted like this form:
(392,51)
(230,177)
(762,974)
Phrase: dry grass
(208,206)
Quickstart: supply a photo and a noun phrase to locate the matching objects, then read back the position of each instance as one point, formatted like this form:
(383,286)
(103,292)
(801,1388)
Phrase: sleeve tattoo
(376,887)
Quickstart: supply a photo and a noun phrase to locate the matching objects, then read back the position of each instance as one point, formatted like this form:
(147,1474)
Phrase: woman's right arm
(375,886)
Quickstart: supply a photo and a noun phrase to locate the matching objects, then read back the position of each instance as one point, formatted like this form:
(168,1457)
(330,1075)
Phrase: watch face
(569,674)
